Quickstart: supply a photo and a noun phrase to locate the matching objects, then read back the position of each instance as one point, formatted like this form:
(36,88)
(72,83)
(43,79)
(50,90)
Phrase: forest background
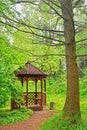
(20,43)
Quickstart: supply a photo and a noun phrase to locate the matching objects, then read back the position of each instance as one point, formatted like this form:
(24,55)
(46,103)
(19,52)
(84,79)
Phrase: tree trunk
(72,103)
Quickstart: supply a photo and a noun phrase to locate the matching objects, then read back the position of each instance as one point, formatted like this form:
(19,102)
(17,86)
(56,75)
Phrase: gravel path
(32,123)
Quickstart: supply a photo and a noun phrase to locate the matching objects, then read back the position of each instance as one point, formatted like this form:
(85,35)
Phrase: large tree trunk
(72,103)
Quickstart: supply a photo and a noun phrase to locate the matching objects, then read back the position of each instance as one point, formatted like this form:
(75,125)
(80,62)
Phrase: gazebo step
(35,107)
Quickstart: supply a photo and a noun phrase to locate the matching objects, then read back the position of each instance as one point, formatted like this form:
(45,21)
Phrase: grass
(58,100)
(7,117)
(57,123)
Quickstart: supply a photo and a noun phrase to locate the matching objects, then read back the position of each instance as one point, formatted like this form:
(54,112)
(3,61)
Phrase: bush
(7,117)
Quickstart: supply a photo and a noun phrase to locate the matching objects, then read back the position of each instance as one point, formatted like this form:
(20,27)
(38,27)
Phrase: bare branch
(44,55)
(55,4)
(83,55)
(55,44)
(27,1)
(81,40)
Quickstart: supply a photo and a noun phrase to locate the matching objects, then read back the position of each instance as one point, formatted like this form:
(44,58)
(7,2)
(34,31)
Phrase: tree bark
(72,103)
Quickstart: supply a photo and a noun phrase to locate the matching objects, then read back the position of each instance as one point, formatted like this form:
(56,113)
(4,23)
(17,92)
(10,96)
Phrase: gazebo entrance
(34,100)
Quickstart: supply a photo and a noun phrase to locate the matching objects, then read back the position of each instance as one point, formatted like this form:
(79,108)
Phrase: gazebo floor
(35,107)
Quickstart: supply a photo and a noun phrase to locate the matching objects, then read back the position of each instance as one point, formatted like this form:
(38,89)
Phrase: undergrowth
(7,117)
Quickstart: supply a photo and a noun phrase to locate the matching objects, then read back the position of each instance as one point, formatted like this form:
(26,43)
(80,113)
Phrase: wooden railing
(32,98)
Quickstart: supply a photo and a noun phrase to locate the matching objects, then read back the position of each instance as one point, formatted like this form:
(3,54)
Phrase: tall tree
(72,104)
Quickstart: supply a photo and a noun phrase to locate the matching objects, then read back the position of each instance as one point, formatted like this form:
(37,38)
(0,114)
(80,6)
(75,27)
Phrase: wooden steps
(35,107)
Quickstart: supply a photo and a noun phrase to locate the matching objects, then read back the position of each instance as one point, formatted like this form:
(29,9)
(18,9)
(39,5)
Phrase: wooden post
(41,92)
(35,91)
(44,102)
(22,82)
(44,85)
(35,85)
(27,92)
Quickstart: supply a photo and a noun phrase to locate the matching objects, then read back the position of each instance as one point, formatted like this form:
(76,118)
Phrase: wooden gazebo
(33,100)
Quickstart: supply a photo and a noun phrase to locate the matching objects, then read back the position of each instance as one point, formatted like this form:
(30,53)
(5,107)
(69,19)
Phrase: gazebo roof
(29,70)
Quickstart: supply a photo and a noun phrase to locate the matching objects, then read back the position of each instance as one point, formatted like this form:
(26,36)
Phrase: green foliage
(81,46)
(39,54)
(6,11)
(3,6)
(4,96)
(7,117)
(13,1)
(56,84)
(8,58)
(17,92)
(83,84)
(5,71)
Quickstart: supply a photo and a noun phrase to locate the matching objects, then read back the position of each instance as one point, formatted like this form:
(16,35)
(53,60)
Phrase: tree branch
(83,55)
(81,40)
(55,4)
(31,32)
(44,55)
(26,1)
(36,55)
(53,9)
(30,26)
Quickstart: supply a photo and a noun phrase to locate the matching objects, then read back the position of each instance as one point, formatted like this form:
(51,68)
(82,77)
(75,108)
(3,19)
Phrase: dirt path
(32,123)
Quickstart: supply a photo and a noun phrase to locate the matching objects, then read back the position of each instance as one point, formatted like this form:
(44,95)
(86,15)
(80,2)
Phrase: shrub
(7,117)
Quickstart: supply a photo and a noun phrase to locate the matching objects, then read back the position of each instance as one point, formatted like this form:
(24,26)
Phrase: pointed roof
(30,70)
